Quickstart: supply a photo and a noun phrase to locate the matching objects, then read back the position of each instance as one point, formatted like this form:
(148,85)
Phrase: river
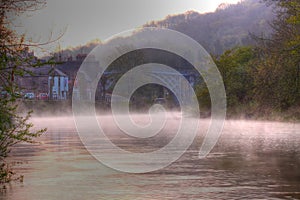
(252,160)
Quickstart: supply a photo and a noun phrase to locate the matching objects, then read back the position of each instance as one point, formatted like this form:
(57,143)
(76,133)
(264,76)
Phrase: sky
(80,21)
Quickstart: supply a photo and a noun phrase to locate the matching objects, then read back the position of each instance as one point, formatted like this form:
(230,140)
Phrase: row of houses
(55,81)
(58,81)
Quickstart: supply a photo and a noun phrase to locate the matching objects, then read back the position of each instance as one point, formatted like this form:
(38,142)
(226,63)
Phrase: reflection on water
(252,160)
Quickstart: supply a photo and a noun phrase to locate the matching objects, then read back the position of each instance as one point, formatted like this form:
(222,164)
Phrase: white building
(58,83)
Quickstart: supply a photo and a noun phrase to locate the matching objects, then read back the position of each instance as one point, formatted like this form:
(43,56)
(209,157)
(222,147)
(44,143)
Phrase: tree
(14,62)
(235,67)
(277,77)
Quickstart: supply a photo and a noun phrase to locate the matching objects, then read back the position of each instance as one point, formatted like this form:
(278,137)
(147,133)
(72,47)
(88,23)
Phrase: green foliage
(203,96)
(265,78)
(235,67)
(14,62)
(277,77)
(14,128)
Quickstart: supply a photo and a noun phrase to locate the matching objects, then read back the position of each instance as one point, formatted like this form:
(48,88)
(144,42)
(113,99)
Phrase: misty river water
(252,160)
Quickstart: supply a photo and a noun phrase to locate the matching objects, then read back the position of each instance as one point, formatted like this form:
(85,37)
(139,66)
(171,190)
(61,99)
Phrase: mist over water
(252,160)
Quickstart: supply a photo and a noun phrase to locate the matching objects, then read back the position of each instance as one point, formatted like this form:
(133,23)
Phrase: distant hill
(76,53)
(229,26)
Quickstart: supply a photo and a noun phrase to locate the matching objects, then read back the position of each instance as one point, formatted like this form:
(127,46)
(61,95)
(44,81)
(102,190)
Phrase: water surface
(252,160)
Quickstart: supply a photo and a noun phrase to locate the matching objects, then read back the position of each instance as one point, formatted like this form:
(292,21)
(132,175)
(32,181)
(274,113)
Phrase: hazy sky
(85,20)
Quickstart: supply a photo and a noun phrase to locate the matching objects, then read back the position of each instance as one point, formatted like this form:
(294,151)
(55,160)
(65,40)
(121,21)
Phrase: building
(58,85)
(70,68)
(45,79)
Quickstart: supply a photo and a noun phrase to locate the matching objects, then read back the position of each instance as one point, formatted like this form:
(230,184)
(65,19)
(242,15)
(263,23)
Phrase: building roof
(71,67)
(58,72)
(46,70)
